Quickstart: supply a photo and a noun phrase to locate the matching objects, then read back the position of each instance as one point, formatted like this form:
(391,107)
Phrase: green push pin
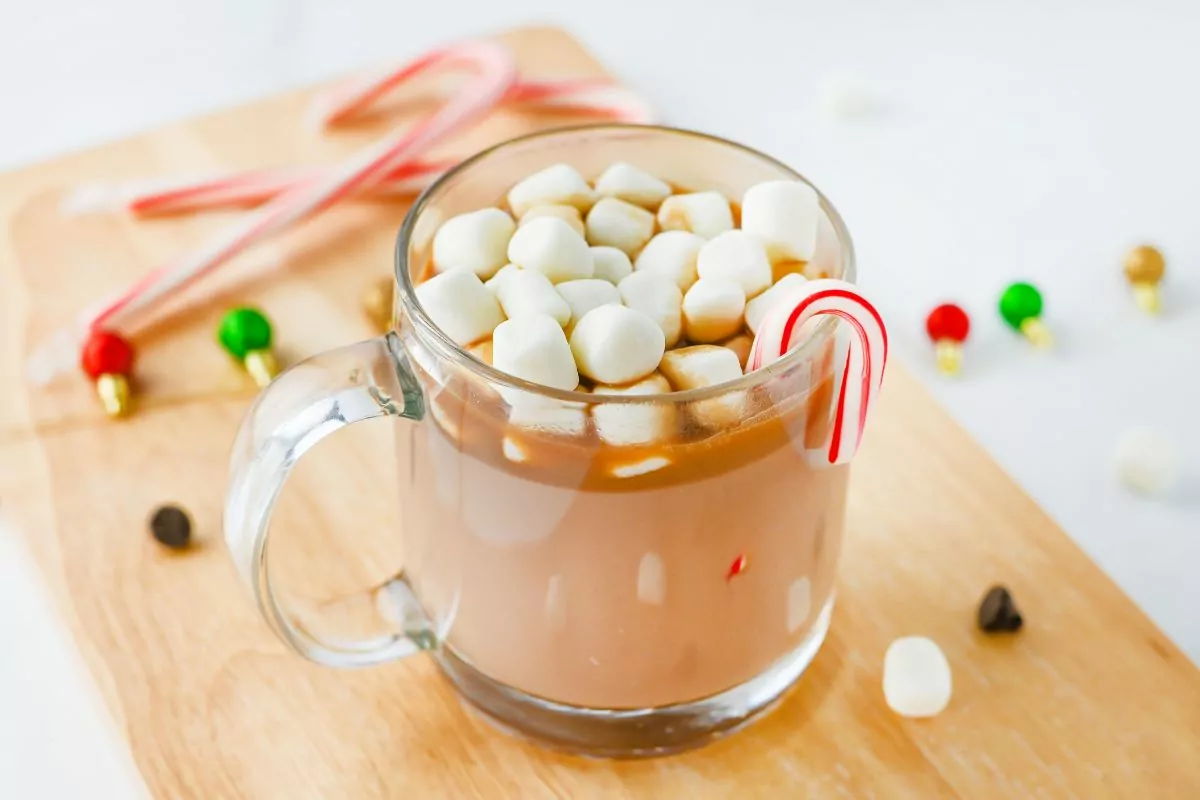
(1021,307)
(246,335)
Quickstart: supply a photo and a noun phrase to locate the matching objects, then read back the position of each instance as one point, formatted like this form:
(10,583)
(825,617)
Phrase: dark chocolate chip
(998,613)
(172,527)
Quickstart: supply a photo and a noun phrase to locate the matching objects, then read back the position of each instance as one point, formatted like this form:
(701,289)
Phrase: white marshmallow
(568,214)
(702,366)
(658,298)
(493,283)
(513,449)
(1147,461)
(672,254)
(916,677)
(458,303)
(622,424)
(740,345)
(626,182)
(736,256)
(610,264)
(547,415)
(475,241)
(535,349)
(560,184)
(641,467)
(757,308)
(616,345)
(784,215)
(712,309)
(583,295)
(703,213)
(615,223)
(549,246)
(527,293)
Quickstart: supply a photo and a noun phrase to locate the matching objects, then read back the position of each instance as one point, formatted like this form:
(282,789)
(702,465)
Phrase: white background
(1034,140)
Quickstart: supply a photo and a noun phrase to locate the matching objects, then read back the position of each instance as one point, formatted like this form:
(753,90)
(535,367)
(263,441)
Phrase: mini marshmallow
(757,308)
(645,465)
(458,303)
(673,255)
(736,256)
(702,366)
(616,345)
(712,309)
(535,349)
(626,182)
(1147,461)
(513,449)
(610,264)
(560,184)
(623,424)
(658,298)
(740,345)
(549,246)
(527,293)
(568,214)
(493,283)
(703,213)
(615,223)
(916,677)
(583,295)
(784,215)
(475,241)
(546,415)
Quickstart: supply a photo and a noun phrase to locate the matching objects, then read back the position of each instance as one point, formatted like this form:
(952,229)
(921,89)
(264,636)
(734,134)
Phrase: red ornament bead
(948,321)
(106,353)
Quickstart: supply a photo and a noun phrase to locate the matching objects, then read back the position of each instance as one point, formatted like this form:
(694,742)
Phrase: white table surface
(1021,140)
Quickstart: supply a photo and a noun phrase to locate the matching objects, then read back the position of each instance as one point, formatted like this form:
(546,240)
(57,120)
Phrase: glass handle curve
(305,404)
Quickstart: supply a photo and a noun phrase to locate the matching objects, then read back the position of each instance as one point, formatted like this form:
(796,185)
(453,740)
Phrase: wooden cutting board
(1089,701)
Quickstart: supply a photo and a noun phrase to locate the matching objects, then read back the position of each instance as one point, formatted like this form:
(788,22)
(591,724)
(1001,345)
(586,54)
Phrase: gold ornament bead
(262,366)
(949,356)
(377,304)
(113,390)
(1145,265)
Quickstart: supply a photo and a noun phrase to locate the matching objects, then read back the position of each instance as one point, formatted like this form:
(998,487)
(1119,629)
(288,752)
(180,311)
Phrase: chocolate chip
(172,527)
(998,613)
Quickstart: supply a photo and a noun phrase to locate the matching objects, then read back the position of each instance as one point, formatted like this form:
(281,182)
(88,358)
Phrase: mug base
(638,732)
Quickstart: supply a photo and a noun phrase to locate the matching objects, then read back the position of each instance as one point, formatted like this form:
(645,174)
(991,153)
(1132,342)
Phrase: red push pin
(948,326)
(108,359)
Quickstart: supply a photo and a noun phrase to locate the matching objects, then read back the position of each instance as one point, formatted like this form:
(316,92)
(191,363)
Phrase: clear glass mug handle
(302,406)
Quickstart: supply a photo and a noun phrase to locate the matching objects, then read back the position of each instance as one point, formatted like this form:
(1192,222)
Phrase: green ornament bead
(1020,301)
(244,330)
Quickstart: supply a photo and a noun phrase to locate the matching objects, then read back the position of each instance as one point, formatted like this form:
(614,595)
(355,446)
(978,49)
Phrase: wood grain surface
(1089,701)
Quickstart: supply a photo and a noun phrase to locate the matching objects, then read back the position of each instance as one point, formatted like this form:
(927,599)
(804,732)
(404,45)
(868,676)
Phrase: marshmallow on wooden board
(703,213)
(917,681)
(615,223)
(610,264)
(475,241)
(630,424)
(626,182)
(702,366)
(785,216)
(549,246)
(534,348)
(713,309)
(740,345)
(583,295)
(493,283)
(617,345)
(736,256)
(560,184)
(568,214)
(458,303)
(757,308)
(657,297)
(673,255)
(527,293)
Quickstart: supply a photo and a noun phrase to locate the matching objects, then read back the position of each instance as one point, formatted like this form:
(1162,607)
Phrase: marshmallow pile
(620,286)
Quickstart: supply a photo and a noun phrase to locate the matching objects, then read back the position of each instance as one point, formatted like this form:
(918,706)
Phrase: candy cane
(498,73)
(867,357)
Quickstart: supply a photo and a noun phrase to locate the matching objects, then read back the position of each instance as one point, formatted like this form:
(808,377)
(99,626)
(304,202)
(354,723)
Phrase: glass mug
(610,599)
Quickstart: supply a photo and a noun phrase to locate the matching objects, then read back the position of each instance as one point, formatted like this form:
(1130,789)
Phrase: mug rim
(447,348)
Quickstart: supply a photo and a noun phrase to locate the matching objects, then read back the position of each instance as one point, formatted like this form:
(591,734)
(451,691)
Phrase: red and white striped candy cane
(497,74)
(865,361)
